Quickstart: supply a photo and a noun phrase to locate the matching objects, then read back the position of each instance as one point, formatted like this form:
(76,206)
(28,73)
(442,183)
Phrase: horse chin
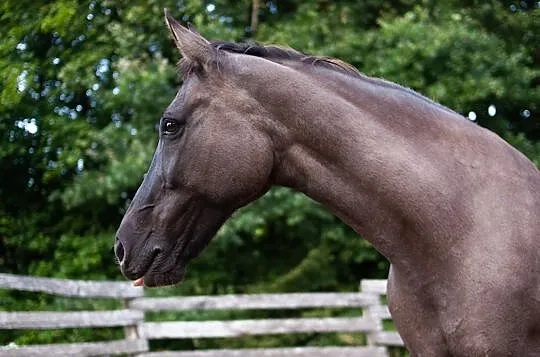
(156,278)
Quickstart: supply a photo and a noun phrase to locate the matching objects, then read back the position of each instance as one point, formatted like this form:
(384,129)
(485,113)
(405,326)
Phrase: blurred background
(83,84)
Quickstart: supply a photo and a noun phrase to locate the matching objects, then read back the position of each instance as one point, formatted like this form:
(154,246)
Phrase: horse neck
(356,149)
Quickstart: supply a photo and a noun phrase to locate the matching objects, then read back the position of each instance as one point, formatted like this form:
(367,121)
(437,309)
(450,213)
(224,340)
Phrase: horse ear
(190,43)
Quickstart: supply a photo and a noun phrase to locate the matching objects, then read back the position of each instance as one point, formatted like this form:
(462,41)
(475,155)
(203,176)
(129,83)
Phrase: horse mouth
(159,274)
(153,272)
(156,279)
(166,263)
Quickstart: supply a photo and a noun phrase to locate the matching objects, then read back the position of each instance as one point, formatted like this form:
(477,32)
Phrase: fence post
(132,332)
(372,312)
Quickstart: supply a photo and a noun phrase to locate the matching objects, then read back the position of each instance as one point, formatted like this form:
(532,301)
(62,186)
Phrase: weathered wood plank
(236,328)
(77,349)
(279,352)
(375,286)
(380,312)
(388,338)
(256,301)
(108,289)
(47,319)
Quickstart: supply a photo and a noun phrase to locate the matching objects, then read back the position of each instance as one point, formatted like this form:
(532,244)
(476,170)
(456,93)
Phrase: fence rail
(64,287)
(279,352)
(78,349)
(239,328)
(53,319)
(138,331)
(256,301)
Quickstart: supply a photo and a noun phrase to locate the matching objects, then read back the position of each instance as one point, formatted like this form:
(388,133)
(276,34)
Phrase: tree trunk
(256,5)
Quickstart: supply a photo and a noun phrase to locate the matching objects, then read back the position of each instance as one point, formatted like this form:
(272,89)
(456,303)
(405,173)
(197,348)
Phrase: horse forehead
(189,93)
(228,88)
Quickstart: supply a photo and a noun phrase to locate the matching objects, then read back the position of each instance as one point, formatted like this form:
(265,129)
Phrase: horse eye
(169,126)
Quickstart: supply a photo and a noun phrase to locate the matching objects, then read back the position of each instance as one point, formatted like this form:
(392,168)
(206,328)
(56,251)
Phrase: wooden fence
(138,331)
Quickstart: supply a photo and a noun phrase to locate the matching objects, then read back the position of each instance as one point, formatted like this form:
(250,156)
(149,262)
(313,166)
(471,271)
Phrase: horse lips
(139,282)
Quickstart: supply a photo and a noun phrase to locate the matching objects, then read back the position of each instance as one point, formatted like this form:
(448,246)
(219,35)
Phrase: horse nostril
(119,250)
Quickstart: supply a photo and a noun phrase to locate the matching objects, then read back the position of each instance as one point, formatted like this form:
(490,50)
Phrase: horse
(452,206)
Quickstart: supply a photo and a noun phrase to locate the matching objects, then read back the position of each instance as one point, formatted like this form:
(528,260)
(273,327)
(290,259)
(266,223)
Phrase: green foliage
(83,84)
(455,62)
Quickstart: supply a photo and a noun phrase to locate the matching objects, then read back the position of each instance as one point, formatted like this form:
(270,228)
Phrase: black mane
(272,52)
(280,53)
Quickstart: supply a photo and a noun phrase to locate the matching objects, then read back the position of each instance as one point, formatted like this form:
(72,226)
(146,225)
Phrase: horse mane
(273,52)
